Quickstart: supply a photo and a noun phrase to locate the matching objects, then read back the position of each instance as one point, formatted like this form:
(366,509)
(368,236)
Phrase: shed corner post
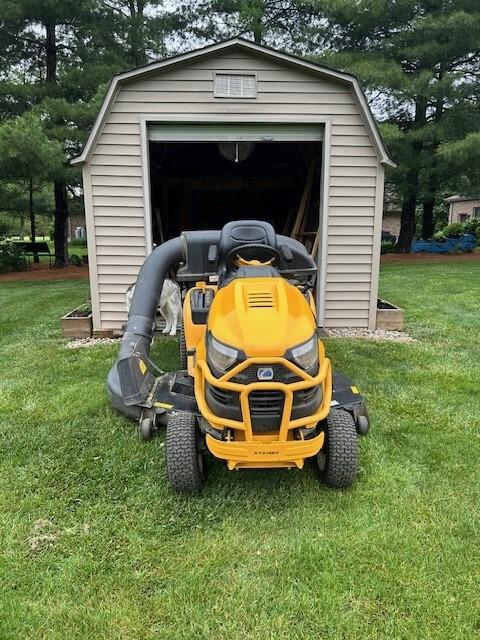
(91,245)
(376,248)
(323,226)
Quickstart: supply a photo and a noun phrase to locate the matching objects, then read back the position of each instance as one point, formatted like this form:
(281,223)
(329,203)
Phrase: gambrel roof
(238,43)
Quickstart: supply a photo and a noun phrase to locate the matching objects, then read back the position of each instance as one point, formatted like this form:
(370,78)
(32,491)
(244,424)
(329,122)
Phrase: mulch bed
(398,258)
(43,272)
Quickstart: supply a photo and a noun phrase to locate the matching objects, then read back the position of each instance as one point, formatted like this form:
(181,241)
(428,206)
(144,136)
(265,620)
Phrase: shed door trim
(230,132)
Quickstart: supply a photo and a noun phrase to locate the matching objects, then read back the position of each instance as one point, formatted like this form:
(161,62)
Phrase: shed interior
(203,185)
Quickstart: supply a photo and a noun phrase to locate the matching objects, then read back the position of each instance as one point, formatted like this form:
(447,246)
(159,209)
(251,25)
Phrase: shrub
(4,229)
(12,258)
(458,228)
(387,247)
(75,260)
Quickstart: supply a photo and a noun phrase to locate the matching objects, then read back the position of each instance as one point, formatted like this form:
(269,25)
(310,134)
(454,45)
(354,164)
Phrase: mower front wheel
(338,459)
(184,456)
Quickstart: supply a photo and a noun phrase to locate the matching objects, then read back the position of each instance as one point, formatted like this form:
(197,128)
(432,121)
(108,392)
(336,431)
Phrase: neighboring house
(462,209)
(228,131)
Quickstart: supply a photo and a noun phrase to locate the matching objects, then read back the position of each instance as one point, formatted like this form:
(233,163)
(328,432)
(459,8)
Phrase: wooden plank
(305,199)
(354,172)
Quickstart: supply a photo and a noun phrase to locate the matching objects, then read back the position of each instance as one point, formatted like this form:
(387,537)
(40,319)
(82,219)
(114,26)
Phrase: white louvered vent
(230,85)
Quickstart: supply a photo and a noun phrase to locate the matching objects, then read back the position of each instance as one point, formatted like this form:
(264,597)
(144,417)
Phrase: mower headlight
(306,354)
(220,356)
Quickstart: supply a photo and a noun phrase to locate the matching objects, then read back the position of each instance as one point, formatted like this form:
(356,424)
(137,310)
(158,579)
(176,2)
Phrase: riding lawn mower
(255,388)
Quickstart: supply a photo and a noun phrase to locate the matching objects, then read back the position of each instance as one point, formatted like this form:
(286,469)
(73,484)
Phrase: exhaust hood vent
(260,300)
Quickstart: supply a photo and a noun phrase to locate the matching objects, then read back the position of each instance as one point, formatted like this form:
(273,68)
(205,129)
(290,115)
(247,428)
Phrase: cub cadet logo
(266,453)
(265,373)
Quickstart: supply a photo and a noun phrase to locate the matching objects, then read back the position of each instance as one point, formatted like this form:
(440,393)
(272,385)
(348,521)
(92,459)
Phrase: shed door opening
(218,173)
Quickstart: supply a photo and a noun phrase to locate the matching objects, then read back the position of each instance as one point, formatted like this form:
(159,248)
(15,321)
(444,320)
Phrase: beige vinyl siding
(117,179)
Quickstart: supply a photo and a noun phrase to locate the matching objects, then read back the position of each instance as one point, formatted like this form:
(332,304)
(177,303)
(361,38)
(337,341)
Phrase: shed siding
(117,180)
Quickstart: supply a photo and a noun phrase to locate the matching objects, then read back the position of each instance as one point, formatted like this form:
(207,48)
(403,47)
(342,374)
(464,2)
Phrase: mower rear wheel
(183,348)
(338,459)
(184,456)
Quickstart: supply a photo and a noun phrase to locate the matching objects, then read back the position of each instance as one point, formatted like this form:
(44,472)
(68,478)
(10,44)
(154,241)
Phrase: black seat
(241,232)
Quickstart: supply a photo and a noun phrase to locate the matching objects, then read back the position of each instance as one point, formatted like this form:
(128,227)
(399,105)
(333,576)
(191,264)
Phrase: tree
(420,63)
(28,156)
(275,22)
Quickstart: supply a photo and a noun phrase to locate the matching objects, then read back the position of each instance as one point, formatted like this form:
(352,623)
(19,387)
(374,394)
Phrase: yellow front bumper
(278,449)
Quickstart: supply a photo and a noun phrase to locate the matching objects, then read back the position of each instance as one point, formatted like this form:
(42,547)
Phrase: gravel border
(367,334)
(80,343)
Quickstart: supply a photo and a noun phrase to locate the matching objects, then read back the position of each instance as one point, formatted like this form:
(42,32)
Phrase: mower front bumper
(248,447)
(263,453)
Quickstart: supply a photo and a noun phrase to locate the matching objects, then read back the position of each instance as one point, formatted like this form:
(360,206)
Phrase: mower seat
(235,234)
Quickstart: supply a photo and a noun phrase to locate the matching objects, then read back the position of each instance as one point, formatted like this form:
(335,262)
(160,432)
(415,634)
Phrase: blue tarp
(466,242)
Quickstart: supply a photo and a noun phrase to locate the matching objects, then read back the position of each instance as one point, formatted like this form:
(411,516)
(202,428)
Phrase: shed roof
(237,43)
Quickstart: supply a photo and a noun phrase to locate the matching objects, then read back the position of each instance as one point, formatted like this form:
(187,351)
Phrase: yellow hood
(261,316)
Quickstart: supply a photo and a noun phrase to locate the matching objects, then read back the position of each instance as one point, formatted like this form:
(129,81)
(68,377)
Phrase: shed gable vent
(235,85)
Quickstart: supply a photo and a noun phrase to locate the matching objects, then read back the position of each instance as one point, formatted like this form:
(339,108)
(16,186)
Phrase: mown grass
(94,545)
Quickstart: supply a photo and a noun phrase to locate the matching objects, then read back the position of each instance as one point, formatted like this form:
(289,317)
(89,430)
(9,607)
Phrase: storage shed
(236,130)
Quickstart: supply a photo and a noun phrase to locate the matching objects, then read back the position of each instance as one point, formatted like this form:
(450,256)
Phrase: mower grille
(266,408)
(280,374)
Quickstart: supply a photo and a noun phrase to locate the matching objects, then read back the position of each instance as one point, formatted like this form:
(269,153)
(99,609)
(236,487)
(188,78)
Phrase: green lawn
(94,545)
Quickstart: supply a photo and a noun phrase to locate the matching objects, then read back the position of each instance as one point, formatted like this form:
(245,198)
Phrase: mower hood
(261,316)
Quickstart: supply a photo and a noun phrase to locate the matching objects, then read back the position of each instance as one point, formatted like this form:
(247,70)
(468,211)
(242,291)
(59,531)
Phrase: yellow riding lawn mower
(255,388)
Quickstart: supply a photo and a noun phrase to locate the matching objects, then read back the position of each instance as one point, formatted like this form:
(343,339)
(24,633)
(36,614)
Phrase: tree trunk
(59,188)
(409,205)
(33,238)
(21,231)
(60,227)
(427,220)
(407,224)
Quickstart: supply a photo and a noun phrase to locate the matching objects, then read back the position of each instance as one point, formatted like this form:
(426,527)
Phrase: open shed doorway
(202,185)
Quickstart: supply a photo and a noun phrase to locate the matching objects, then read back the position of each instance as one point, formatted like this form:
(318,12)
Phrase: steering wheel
(252,251)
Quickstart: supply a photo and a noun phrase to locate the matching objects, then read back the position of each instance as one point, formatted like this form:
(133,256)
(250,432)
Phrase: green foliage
(27,152)
(458,228)
(12,258)
(76,260)
(78,242)
(387,246)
